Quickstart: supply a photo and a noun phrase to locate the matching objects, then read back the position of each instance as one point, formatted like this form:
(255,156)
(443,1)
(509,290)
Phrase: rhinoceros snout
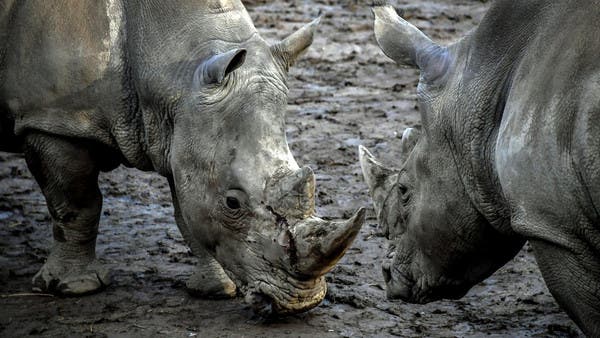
(397,287)
(305,246)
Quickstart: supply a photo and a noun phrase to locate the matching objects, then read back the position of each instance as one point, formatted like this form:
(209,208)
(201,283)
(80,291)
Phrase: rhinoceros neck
(476,94)
(489,64)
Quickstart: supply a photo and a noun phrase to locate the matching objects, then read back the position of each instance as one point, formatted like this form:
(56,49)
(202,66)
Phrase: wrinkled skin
(188,89)
(508,152)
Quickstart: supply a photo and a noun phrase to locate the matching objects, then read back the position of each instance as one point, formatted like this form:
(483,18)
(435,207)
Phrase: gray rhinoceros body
(509,152)
(185,88)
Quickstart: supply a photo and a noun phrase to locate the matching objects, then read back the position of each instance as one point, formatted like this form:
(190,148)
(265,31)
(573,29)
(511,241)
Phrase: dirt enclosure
(344,92)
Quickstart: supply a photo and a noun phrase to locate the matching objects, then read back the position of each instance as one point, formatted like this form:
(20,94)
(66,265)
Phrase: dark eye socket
(404,194)
(403,189)
(232,203)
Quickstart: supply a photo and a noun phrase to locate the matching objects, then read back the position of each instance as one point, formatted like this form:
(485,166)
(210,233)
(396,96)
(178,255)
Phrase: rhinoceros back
(58,71)
(80,68)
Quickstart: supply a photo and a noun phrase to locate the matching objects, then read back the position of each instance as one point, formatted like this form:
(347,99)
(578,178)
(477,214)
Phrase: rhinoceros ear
(288,50)
(216,68)
(406,44)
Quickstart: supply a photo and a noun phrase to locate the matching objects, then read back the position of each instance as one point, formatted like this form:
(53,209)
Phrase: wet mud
(344,92)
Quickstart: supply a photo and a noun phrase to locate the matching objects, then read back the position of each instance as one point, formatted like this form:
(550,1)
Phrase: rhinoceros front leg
(209,280)
(68,176)
(574,280)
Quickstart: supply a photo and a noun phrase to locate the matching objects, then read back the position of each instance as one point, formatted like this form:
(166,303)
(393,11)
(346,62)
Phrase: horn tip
(383,10)
(364,155)
(379,3)
(361,213)
(407,133)
(362,150)
(359,217)
(316,21)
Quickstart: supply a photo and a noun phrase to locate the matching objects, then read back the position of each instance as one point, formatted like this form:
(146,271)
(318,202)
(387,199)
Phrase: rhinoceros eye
(232,203)
(404,193)
(233,209)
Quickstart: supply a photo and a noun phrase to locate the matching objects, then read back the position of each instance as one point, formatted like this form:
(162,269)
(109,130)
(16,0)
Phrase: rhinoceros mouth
(400,286)
(269,300)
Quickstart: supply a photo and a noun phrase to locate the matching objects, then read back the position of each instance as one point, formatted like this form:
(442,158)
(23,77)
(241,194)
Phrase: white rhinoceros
(185,88)
(509,152)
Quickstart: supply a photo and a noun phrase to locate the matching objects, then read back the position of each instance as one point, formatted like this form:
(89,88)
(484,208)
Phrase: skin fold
(507,153)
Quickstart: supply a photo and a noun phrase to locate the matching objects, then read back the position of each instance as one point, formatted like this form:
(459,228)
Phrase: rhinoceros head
(241,193)
(440,244)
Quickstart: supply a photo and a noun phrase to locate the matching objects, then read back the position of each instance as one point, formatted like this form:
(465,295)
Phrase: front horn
(320,244)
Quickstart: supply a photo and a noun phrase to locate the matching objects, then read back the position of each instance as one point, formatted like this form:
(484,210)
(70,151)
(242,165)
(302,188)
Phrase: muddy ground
(344,92)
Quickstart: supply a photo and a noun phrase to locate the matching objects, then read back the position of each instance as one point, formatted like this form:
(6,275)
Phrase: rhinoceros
(188,89)
(508,152)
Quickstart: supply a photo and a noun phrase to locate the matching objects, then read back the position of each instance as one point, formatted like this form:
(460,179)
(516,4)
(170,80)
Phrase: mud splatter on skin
(287,241)
(343,92)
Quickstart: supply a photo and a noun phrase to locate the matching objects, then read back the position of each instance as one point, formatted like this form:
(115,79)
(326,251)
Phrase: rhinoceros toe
(71,280)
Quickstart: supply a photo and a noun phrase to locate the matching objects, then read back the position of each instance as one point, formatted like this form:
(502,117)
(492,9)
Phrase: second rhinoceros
(509,152)
(185,88)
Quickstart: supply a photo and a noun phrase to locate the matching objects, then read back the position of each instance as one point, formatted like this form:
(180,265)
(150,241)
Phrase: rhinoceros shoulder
(548,145)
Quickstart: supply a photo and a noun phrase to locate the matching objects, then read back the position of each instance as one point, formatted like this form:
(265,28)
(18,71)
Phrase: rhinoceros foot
(210,281)
(70,278)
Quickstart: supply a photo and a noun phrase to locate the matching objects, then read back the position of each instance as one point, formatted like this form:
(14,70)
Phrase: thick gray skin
(509,152)
(185,88)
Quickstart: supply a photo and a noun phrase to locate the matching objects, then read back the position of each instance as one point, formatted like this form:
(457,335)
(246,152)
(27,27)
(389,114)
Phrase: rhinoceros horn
(406,44)
(379,178)
(319,244)
(375,173)
(294,195)
(410,136)
(314,244)
(294,45)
